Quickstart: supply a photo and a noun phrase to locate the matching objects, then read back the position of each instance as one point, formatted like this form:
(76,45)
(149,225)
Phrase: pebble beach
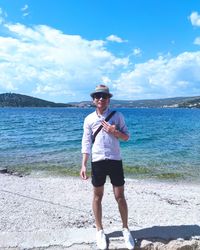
(159,212)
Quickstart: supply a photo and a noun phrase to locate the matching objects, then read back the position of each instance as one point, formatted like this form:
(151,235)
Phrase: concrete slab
(83,239)
(44,239)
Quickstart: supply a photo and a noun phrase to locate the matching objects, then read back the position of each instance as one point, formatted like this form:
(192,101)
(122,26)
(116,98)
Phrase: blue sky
(60,50)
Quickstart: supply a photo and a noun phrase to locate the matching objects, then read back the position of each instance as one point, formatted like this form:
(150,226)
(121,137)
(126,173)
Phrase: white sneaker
(129,241)
(101,240)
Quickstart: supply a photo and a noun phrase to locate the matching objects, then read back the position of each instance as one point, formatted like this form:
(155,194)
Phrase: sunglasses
(100,95)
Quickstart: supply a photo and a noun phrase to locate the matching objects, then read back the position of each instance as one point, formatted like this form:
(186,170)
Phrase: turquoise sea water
(164,143)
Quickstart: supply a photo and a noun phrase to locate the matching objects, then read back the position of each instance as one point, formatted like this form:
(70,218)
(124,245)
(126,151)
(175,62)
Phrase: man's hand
(83,173)
(112,129)
(108,128)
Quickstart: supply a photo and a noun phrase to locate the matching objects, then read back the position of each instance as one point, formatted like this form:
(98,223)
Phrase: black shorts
(112,168)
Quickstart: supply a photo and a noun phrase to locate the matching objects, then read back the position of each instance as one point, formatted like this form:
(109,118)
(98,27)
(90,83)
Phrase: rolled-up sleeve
(122,125)
(87,138)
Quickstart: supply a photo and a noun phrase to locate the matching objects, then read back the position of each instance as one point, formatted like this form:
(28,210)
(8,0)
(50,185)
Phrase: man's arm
(86,148)
(83,172)
(112,129)
(120,135)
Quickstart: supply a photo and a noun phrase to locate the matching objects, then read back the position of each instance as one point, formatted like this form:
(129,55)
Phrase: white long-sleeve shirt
(106,145)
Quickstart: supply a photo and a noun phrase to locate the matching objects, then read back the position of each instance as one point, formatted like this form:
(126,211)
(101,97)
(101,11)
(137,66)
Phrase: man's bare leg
(97,207)
(122,205)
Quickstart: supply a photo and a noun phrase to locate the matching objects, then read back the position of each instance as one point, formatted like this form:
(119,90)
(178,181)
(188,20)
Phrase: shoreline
(131,173)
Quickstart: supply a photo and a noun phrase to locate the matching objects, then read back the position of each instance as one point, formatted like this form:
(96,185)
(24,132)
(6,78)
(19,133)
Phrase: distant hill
(195,103)
(17,100)
(175,102)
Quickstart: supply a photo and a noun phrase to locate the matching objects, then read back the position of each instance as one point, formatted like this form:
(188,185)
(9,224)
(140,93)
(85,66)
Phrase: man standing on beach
(106,160)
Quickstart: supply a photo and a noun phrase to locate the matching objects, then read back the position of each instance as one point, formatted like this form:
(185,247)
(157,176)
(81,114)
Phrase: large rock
(3,170)
(171,245)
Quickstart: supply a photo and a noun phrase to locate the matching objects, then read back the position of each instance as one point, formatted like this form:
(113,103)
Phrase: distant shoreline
(18,100)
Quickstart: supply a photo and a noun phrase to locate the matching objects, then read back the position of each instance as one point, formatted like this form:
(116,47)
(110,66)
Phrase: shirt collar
(106,111)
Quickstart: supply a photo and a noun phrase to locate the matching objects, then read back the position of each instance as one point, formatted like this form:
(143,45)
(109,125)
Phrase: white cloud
(24,10)
(46,62)
(137,52)
(114,38)
(1,13)
(106,80)
(162,77)
(25,7)
(195,19)
(3,16)
(25,14)
(197,41)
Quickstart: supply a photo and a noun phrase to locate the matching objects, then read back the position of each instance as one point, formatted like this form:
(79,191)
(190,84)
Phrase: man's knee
(98,194)
(98,197)
(120,198)
(119,193)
